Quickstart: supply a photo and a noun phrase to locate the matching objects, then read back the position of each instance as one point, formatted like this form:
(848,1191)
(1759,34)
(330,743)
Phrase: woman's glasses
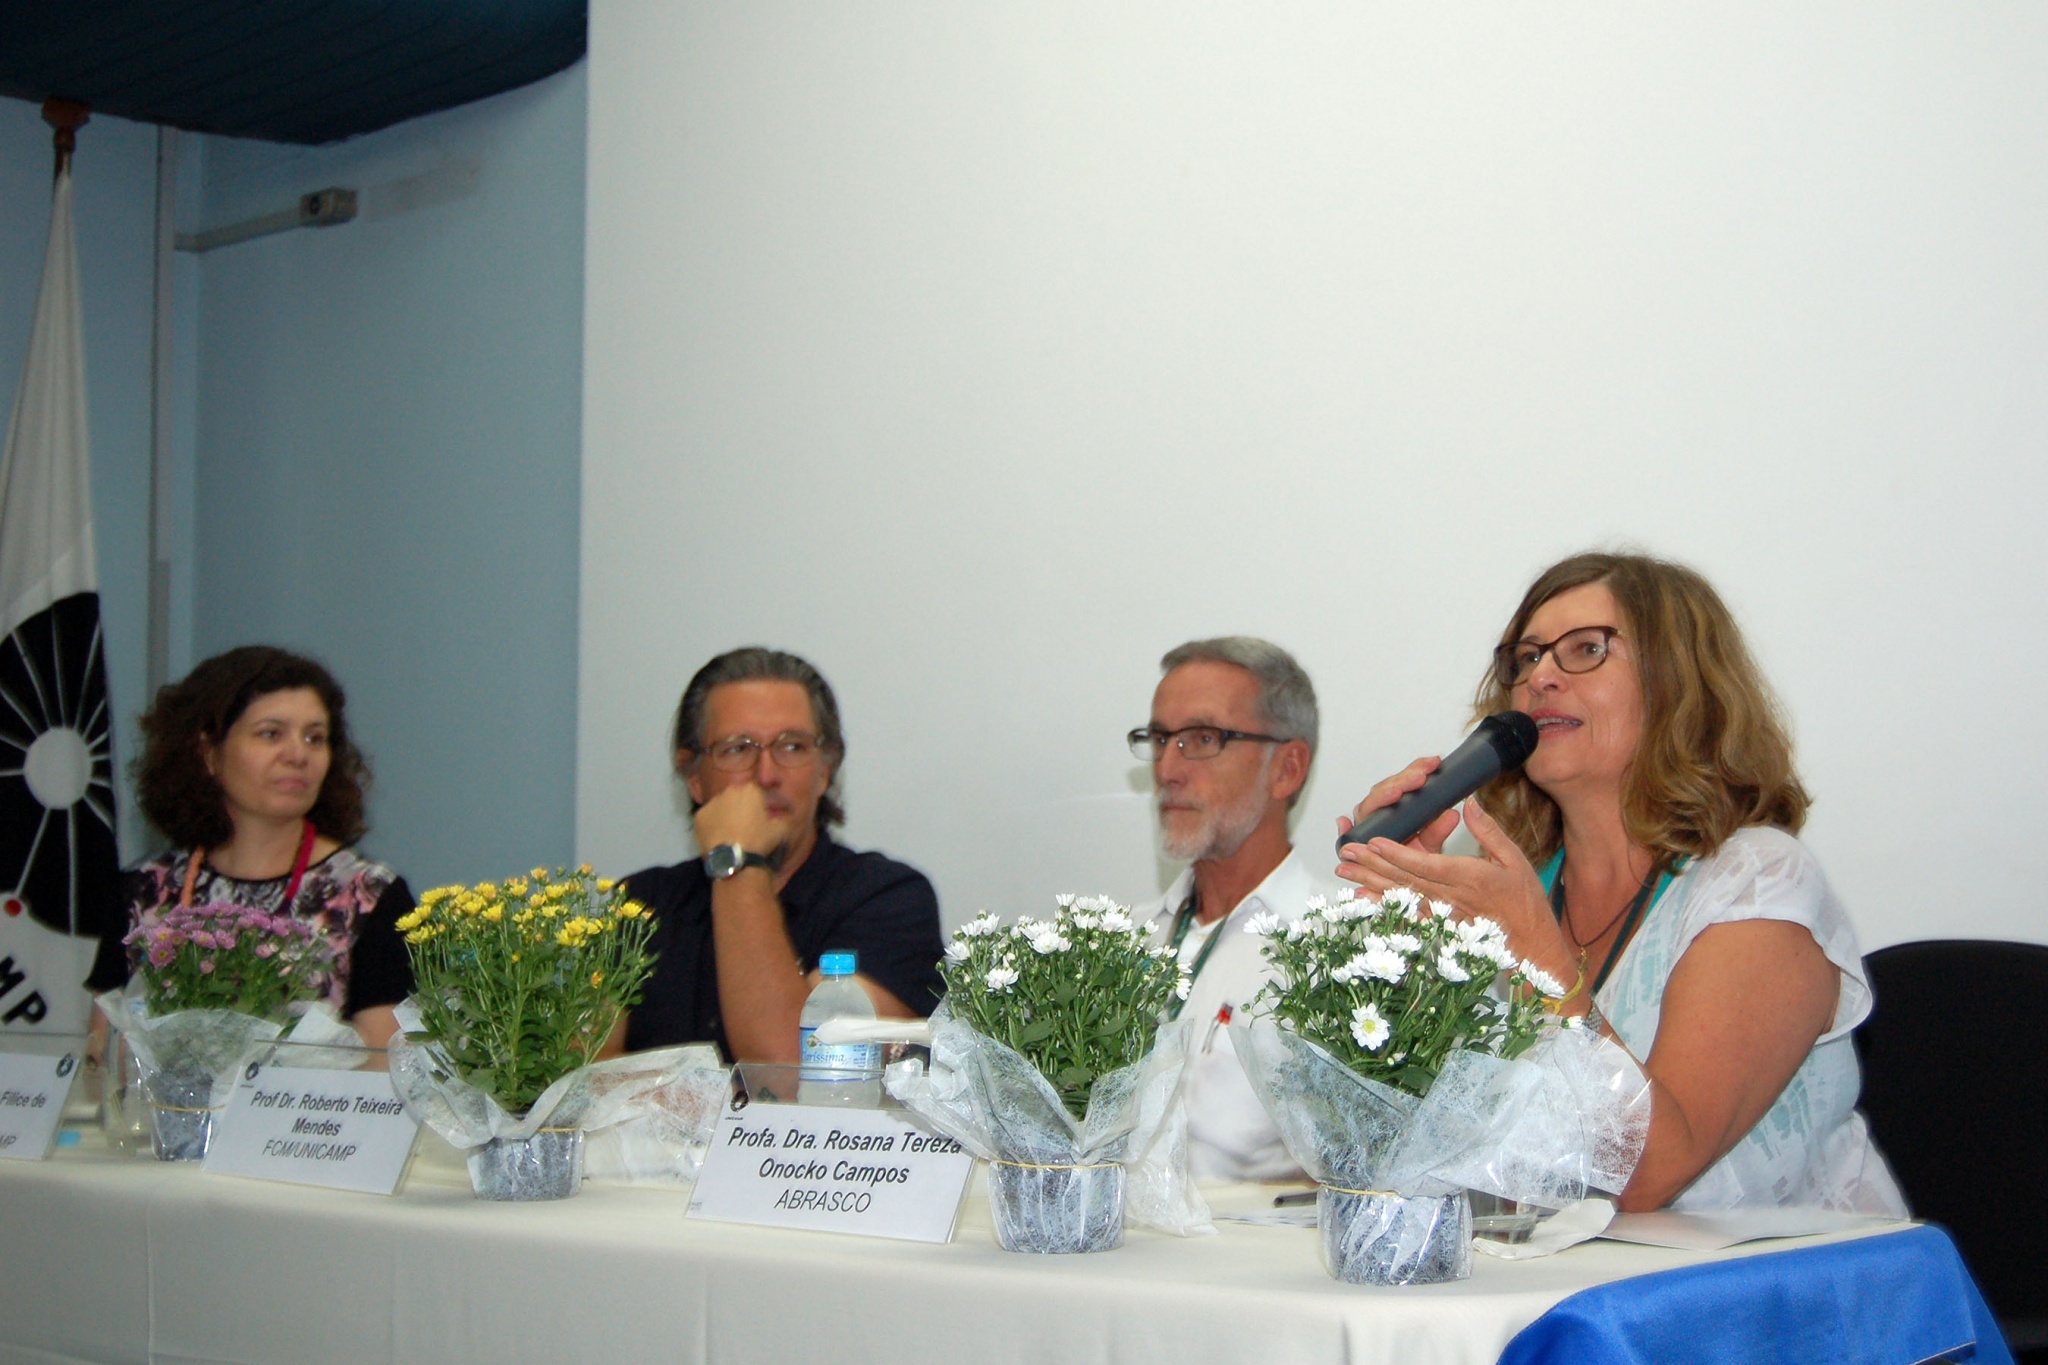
(1576,651)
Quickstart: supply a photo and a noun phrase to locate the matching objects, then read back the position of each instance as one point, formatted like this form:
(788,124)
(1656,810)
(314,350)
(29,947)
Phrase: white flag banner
(59,865)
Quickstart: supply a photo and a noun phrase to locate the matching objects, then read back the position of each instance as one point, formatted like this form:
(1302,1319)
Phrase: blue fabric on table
(1892,1299)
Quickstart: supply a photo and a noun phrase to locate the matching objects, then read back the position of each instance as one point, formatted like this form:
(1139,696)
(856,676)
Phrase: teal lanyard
(1653,886)
(1184,920)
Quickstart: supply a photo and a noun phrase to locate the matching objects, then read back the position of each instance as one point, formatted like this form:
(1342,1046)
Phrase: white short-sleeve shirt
(1811,1147)
(1230,1136)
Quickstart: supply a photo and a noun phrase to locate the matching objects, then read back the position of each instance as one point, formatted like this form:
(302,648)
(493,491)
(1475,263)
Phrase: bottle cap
(840,963)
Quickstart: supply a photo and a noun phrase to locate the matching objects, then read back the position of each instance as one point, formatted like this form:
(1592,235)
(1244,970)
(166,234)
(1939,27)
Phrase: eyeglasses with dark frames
(1194,741)
(1576,651)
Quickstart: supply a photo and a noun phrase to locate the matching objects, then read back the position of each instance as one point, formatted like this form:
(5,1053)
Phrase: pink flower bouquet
(215,982)
(228,957)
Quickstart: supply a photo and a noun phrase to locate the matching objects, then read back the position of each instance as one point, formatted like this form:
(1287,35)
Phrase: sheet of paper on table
(1577,1223)
(1666,1228)
(1298,1216)
(1569,1226)
(1713,1231)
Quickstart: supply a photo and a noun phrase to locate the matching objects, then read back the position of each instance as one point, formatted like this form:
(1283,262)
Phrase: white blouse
(1811,1147)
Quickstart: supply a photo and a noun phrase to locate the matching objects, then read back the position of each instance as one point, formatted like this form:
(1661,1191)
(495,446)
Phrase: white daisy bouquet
(1080,995)
(1392,987)
(1051,1059)
(1408,1056)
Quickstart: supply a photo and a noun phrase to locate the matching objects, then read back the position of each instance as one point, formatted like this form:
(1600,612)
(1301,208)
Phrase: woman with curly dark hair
(247,767)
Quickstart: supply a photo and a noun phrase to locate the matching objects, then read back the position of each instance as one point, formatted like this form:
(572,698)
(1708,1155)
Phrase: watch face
(726,860)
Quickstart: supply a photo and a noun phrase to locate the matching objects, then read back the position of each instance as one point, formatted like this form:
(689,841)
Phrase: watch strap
(724,861)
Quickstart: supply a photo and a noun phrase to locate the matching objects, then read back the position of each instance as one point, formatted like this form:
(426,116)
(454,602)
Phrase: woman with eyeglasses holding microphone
(1646,858)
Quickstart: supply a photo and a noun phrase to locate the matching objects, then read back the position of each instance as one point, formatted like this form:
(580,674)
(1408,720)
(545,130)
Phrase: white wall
(388,418)
(983,352)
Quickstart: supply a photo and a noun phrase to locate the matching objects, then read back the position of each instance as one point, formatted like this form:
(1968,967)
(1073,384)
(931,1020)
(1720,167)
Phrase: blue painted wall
(377,440)
(389,419)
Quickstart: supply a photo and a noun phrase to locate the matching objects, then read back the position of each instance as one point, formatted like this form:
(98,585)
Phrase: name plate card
(33,1089)
(865,1171)
(344,1130)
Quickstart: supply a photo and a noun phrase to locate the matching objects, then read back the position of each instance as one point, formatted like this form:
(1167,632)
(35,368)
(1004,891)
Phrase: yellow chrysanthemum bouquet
(517,985)
(520,982)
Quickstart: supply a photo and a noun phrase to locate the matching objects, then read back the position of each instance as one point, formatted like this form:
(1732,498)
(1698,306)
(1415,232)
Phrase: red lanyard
(291,886)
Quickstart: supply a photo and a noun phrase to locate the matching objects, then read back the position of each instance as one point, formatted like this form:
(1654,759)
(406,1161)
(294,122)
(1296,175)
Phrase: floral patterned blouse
(355,902)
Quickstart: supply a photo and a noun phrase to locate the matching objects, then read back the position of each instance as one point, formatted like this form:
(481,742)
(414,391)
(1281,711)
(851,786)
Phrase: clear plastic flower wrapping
(190,1060)
(653,1111)
(204,1046)
(995,1103)
(1570,1114)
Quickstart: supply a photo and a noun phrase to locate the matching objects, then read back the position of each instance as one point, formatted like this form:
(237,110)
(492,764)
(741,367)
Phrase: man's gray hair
(755,663)
(1287,699)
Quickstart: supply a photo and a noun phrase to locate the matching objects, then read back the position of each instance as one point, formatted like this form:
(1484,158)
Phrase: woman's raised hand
(1500,884)
(1389,790)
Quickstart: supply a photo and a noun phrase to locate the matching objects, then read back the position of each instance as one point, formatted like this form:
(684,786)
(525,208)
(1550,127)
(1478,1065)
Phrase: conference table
(114,1258)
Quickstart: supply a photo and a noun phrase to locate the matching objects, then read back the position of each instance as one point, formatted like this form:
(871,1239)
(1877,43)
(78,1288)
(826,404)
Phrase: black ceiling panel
(282,70)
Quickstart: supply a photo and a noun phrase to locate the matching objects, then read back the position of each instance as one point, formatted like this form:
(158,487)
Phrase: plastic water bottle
(842,1075)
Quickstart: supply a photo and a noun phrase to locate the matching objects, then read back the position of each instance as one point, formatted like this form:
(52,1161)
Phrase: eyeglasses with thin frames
(1577,651)
(1198,742)
(737,753)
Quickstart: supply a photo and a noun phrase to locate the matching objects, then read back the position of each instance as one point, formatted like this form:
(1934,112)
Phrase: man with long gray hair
(739,930)
(1230,741)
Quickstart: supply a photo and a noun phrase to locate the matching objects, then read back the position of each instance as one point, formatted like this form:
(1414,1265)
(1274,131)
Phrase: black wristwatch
(726,860)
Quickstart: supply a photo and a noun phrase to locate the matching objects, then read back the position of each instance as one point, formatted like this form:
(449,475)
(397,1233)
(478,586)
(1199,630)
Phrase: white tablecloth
(114,1259)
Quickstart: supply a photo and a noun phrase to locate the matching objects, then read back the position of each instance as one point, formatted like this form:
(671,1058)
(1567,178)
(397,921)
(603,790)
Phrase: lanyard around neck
(1652,884)
(1183,921)
(300,862)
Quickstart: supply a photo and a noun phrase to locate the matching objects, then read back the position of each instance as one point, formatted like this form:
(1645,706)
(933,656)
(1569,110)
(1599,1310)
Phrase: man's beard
(1222,830)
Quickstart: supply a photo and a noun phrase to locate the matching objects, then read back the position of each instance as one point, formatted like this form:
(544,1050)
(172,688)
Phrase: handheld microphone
(1500,744)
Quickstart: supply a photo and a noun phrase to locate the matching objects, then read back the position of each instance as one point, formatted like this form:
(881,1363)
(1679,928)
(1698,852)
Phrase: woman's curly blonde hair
(1715,754)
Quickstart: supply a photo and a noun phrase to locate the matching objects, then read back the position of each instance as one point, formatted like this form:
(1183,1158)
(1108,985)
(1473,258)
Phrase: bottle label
(833,1062)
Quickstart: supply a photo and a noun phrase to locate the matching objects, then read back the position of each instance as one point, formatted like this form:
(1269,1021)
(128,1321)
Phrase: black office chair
(1955,1086)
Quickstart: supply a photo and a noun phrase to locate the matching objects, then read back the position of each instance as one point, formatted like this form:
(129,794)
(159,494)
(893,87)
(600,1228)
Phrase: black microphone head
(1513,736)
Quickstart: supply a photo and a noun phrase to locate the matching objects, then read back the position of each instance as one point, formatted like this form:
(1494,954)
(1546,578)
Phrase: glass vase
(1057,1210)
(1371,1237)
(181,1113)
(548,1165)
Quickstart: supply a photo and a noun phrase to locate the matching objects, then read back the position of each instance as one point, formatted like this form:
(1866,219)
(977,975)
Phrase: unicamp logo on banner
(863,1171)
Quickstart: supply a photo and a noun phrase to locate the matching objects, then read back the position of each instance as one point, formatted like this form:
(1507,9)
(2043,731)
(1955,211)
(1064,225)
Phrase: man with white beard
(1232,735)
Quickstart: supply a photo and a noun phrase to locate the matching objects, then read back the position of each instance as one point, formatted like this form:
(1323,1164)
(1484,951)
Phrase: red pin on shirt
(1222,1018)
